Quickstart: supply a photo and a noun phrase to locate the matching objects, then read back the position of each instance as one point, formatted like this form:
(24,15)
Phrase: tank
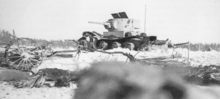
(121,32)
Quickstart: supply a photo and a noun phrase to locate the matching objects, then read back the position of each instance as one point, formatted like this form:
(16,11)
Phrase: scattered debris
(62,78)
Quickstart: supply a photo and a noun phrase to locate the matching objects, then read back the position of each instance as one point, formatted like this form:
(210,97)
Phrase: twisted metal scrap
(207,74)
(61,77)
(35,81)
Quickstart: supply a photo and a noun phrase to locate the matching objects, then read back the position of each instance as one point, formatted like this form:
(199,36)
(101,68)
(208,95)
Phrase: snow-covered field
(9,92)
(196,58)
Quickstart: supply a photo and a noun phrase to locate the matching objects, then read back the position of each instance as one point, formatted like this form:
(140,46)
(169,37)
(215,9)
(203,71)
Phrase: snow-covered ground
(195,58)
(9,92)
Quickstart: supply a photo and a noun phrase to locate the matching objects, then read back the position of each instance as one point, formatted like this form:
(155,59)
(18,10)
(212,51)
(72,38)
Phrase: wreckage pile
(62,78)
(26,59)
(202,75)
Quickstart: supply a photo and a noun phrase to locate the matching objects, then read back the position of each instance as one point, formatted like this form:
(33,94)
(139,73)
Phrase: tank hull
(91,41)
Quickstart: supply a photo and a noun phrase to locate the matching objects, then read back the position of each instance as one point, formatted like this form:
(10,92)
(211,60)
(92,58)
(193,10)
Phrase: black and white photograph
(109,49)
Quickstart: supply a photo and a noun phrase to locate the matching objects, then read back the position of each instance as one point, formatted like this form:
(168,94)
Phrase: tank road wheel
(128,34)
(103,45)
(23,59)
(116,45)
(130,46)
(144,48)
(143,35)
(84,44)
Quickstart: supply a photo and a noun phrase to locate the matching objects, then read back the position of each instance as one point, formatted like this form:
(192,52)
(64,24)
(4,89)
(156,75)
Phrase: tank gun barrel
(101,23)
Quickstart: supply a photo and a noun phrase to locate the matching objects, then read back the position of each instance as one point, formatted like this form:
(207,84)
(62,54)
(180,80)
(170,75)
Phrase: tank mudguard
(82,38)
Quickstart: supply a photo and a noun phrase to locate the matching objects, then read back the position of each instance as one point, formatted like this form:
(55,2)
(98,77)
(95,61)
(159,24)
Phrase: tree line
(202,46)
(6,37)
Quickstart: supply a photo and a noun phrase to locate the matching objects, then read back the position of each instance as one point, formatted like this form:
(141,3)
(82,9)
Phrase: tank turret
(120,25)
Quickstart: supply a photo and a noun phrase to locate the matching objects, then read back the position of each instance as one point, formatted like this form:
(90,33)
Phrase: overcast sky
(178,20)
